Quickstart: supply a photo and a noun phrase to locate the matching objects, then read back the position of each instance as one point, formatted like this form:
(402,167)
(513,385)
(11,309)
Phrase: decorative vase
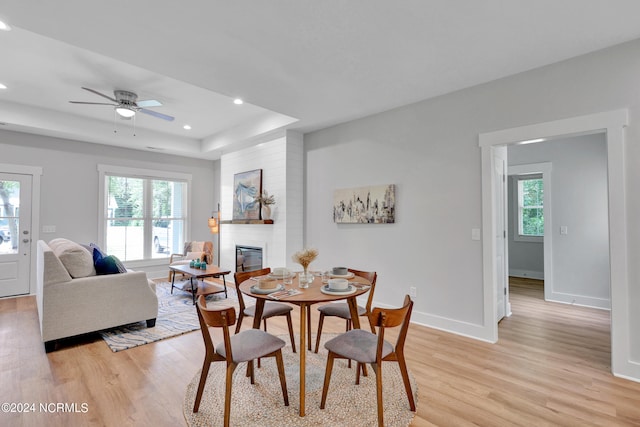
(266,212)
(305,279)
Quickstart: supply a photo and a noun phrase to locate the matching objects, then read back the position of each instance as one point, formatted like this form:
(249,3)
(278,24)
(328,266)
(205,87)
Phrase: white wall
(281,164)
(429,246)
(430,151)
(579,202)
(69,188)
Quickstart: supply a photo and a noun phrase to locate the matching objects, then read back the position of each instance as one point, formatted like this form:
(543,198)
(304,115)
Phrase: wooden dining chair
(366,347)
(341,309)
(243,347)
(271,309)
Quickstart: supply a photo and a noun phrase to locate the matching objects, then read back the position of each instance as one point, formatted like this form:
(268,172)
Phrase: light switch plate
(48,228)
(475,234)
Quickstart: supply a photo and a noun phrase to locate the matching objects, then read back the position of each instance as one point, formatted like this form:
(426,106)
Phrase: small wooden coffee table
(201,288)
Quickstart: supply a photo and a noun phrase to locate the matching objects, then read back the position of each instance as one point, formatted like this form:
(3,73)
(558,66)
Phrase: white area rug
(262,404)
(176,316)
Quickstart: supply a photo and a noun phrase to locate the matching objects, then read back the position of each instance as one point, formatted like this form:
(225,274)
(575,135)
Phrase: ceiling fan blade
(156,114)
(148,103)
(92,103)
(100,94)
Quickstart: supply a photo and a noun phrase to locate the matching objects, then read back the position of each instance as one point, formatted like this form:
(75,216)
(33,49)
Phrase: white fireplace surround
(281,161)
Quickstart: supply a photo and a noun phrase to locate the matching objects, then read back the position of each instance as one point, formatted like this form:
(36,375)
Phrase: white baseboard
(527,274)
(580,300)
(465,329)
(631,371)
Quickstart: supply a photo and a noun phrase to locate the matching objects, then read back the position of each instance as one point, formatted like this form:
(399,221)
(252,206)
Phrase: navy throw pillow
(95,247)
(105,264)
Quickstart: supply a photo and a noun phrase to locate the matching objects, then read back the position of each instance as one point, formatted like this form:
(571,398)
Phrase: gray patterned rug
(262,405)
(176,316)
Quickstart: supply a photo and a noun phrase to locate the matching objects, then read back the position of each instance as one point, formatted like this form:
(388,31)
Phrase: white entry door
(500,207)
(15,230)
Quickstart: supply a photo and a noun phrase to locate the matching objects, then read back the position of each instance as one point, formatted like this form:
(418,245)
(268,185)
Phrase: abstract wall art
(247,186)
(365,205)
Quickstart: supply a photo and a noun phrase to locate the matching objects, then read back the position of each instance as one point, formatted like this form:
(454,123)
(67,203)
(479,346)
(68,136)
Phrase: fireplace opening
(248,258)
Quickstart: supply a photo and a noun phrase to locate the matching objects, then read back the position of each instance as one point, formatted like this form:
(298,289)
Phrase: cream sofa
(73,300)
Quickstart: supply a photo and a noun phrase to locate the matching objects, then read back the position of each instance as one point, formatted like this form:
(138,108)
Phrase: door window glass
(9,216)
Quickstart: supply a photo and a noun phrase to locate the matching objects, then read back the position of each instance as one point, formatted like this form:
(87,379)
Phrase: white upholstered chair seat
(358,344)
(251,344)
(270,309)
(340,309)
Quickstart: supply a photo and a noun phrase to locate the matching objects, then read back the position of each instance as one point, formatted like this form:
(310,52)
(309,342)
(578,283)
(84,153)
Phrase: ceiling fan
(127,105)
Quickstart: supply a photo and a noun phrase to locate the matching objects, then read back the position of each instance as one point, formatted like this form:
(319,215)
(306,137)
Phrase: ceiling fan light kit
(125,112)
(127,104)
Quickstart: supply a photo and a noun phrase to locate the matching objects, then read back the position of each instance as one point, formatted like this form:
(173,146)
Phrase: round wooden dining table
(305,299)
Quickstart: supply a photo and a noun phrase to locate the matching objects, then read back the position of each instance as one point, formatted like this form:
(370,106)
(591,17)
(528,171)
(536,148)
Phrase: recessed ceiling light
(4,26)
(187,127)
(2,86)
(238,101)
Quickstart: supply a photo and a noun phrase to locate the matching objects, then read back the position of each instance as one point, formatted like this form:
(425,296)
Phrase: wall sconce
(214,225)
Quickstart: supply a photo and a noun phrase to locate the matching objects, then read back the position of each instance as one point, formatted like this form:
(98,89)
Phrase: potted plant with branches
(265,201)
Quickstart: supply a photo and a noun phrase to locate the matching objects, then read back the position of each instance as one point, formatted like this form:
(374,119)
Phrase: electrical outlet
(413,292)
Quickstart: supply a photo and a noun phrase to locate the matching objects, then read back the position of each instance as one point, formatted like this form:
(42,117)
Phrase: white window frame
(109,170)
(517,209)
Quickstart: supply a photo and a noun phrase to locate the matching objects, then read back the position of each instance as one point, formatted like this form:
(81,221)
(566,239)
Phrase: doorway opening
(571,250)
(611,124)
(530,254)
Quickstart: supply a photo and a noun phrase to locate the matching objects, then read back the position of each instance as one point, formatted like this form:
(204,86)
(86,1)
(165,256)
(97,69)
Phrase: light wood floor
(550,367)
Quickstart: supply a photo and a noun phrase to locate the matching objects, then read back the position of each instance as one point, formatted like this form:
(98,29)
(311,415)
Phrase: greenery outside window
(530,218)
(143,217)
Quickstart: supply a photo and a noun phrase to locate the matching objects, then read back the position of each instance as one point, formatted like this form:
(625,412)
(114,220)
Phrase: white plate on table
(256,290)
(326,290)
(349,275)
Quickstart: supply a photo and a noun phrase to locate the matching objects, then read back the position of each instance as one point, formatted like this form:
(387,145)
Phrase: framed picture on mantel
(246,187)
